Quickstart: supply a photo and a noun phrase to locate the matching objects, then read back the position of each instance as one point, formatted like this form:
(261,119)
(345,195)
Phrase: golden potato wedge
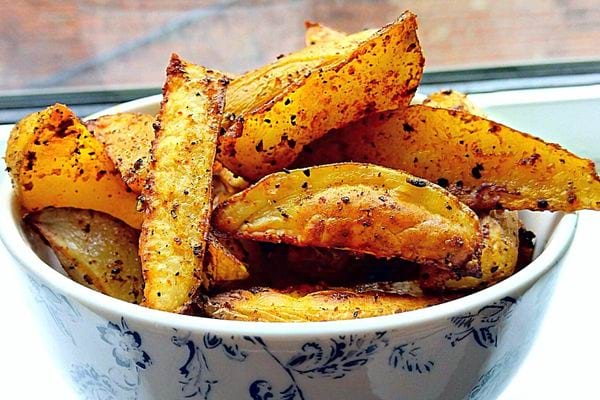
(309,304)
(223,264)
(127,140)
(177,197)
(359,207)
(253,89)
(486,164)
(316,33)
(380,73)
(95,249)
(55,162)
(453,100)
(498,259)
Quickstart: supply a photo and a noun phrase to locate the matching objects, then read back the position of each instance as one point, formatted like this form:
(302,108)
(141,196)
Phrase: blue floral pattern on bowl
(60,309)
(122,380)
(482,325)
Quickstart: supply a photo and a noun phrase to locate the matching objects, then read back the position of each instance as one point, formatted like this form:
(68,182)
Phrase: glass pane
(120,44)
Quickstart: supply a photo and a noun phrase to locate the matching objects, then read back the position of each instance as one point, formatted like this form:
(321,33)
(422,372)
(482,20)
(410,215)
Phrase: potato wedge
(95,250)
(381,73)
(486,164)
(178,194)
(55,162)
(316,33)
(453,100)
(310,304)
(253,89)
(358,207)
(223,264)
(127,140)
(498,260)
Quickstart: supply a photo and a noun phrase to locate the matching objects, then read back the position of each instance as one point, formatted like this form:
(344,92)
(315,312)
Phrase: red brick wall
(84,43)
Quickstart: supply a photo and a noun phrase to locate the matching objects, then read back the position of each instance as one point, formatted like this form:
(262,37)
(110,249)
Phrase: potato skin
(54,161)
(178,194)
(381,73)
(95,250)
(310,304)
(127,140)
(359,207)
(486,164)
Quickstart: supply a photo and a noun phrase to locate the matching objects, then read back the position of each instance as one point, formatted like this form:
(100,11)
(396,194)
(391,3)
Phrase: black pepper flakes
(345,199)
(416,182)
(306,172)
(407,127)
(305,185)
(197,250)
(542,203)
(259,146)
(476,171)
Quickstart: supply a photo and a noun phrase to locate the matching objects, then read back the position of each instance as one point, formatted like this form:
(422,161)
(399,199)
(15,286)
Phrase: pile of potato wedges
(309,189)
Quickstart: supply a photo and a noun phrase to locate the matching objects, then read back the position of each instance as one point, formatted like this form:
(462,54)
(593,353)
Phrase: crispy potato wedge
(380,73)
(95,249)
(316,33)
(177,196)
(223,264)
(127,140)
(309,304)
(486,164)
(255,88)
(498,260)
(55,162)
(453,100)
(358,207)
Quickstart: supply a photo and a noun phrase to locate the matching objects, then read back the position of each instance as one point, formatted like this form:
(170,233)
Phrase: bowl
(468,348)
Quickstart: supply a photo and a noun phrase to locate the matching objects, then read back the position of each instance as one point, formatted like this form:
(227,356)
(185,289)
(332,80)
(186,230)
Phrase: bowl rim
(558,243)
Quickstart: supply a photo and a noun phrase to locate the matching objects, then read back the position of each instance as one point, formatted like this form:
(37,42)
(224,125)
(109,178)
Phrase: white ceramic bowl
(468,348)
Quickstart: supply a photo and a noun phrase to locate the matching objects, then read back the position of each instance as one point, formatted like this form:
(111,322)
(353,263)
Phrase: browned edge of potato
(95,250)
(177,197)
(54,161)
(381,73)
(358,207)
(312,303)
(486,164)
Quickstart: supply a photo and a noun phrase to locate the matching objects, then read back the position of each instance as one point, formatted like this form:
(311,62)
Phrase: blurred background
(99,52)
